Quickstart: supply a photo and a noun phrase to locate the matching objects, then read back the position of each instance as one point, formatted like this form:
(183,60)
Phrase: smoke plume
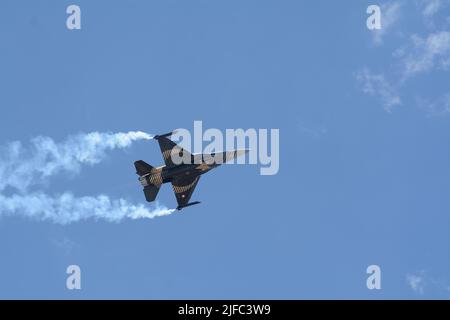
(22,167)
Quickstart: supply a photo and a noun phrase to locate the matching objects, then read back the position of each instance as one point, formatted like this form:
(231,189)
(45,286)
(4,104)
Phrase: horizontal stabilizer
(142,167)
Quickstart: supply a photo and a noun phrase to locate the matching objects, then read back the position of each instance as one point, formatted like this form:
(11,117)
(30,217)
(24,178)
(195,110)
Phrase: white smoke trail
(22,167)
(66,208)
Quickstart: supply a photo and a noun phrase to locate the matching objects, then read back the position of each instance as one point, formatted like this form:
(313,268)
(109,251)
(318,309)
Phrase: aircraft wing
(167,146)
(183,188)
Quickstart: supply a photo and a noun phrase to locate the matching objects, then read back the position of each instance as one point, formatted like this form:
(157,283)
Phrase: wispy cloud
(431,7)
(390,14)
(436,107)
(24,166)
(65,244)
(422,283)
(313,132)
(420,53)
(416,283)
(424,54)
(377,85)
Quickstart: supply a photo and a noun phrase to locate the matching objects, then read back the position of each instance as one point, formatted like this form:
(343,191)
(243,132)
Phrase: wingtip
(165,135)
(188,205)
(241,152)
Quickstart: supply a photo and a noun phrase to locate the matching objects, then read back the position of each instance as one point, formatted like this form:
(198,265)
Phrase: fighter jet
(184,175)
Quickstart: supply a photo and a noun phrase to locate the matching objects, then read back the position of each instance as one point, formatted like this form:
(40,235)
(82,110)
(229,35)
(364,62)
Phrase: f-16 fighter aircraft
(183,175)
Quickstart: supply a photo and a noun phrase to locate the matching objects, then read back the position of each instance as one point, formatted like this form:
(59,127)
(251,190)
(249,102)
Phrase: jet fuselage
(183,176)
(165,174)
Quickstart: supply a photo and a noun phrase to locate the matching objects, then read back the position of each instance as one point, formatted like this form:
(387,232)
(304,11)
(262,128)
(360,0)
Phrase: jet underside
(184,175)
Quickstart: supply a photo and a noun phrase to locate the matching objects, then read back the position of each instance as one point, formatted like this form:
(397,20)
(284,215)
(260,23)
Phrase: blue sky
(364,121)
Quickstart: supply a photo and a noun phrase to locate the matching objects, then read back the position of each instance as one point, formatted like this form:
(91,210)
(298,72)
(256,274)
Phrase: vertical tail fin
(150,189)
